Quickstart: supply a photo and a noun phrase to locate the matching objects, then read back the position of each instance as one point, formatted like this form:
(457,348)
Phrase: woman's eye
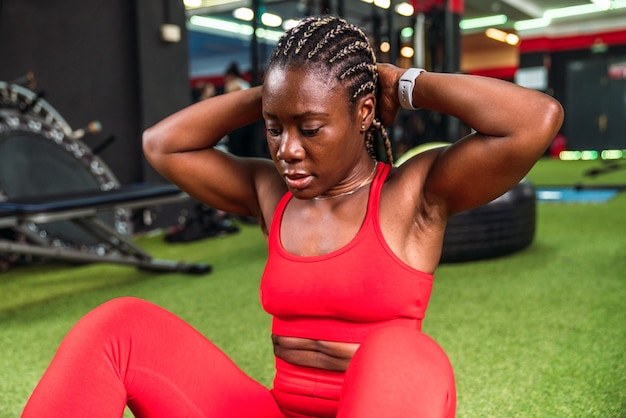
(310,132)
(273,132)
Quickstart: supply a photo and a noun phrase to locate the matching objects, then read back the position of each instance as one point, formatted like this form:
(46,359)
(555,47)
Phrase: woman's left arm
(514,126)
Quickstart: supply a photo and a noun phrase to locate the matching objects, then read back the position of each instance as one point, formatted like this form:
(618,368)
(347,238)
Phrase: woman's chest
(318,228)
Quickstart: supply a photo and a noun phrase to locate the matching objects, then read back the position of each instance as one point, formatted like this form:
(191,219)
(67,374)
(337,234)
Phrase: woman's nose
(290,149)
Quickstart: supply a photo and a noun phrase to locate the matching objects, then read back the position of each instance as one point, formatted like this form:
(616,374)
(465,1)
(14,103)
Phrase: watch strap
(405,87)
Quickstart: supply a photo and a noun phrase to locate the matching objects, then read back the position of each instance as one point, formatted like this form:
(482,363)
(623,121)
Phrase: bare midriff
(327,355)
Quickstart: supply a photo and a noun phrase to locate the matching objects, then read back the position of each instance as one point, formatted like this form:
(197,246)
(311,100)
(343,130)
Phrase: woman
(353,243)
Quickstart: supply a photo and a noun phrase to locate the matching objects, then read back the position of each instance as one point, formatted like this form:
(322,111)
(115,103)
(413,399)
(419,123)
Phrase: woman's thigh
(398,372)
(132,351)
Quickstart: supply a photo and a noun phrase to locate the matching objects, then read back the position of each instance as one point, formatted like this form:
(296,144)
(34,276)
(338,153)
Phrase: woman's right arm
(181,148)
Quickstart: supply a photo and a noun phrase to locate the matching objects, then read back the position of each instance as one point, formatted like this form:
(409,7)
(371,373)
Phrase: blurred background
(127,64)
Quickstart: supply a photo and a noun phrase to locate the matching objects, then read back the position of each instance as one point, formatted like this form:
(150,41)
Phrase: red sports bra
(346,294)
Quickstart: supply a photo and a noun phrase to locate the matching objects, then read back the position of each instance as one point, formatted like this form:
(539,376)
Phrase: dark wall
(163,66)
(588,97)
(560,61)
(100,60)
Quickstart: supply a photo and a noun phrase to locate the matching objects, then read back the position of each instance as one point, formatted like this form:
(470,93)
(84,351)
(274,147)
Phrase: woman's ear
(366,110)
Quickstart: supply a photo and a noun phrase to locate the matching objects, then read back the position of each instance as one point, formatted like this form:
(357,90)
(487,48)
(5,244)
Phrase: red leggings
(128,351)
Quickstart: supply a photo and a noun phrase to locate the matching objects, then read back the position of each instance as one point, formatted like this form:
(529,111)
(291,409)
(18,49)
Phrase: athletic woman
(353,242)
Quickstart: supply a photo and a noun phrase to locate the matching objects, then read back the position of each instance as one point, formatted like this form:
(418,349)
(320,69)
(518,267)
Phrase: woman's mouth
(298,181)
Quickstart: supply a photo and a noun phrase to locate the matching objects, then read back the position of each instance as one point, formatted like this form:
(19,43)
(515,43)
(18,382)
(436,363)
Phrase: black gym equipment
(503,226)
(59,200)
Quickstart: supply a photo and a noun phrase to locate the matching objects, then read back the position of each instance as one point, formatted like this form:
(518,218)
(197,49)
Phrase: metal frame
(83,210)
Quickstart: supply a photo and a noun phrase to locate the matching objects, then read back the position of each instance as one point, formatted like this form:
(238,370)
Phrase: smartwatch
(405,87)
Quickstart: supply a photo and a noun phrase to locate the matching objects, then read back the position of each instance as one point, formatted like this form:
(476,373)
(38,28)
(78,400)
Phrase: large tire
(502,226)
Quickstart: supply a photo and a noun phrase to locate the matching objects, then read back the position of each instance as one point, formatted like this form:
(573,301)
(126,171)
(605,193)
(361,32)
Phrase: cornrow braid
(364,36)
(344,52)
(354,48)
(368,86)
(329,35)
(316,25)
(363,66)
(370,140)
(285,42)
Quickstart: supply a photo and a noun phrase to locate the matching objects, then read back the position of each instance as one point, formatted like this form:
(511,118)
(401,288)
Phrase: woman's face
(313,137)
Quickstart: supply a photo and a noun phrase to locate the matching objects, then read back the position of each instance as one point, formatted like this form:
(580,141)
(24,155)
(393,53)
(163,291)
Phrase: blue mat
(572,195)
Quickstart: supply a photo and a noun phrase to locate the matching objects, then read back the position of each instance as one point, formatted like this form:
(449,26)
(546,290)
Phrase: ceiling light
(407,32)
(208,3)
(542,22)
(383,4)
(271,20)
(502,36)
(512,39)
(290,23)
(213,23)
(596,7)
(572,11)
(405,9)
(192,4)
(482,22)
(243,13)
(219,27)
(268,19)
(272,35)
(407,52)
(603,4)
(496,34)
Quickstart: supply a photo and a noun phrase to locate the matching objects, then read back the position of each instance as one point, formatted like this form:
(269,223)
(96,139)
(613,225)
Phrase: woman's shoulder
(270,189)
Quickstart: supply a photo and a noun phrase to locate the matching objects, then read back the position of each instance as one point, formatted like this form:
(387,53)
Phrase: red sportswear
(348,293)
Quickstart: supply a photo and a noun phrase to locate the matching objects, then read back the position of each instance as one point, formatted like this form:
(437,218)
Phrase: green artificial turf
(539,333)
(555,172)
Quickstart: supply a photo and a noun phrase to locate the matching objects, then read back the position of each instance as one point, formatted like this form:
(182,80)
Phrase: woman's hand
(388,103)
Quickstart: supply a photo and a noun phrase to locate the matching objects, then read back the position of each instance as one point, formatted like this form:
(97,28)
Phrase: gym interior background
(109,61)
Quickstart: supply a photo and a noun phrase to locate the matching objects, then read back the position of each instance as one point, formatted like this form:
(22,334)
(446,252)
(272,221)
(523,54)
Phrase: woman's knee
(116,316)
(124,305)
(399,371)
(407,352)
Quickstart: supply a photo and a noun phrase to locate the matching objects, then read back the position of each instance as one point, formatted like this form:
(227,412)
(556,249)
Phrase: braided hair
(344,51)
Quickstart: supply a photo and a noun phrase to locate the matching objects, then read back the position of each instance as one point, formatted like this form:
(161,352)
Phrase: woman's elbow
(152,143)
(554,115)
(551,119)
